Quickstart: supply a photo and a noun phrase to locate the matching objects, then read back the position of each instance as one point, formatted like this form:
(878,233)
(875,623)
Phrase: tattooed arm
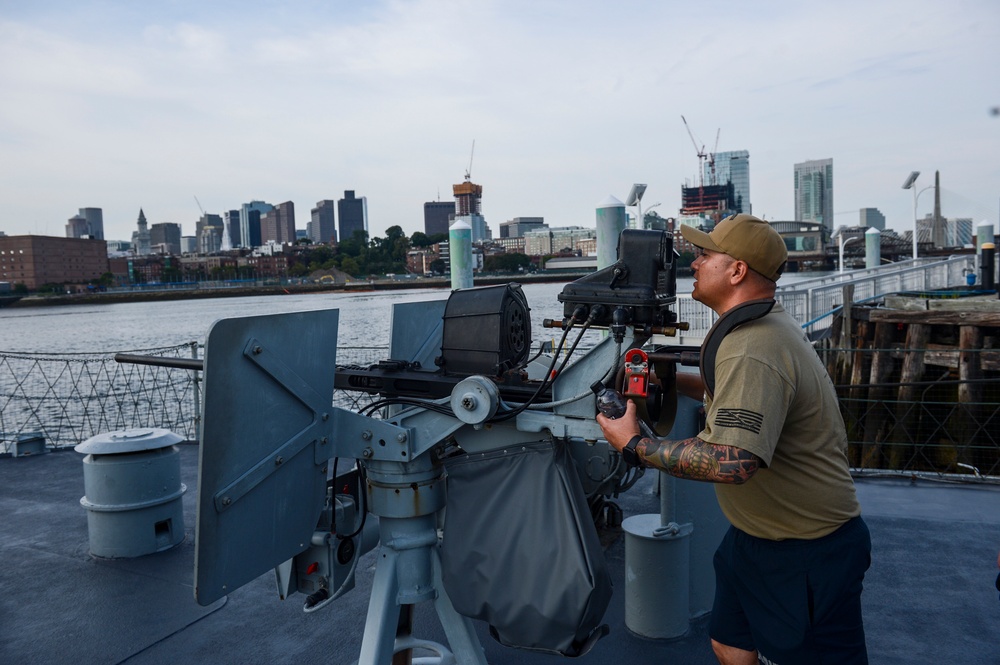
(692,458)
(695,459)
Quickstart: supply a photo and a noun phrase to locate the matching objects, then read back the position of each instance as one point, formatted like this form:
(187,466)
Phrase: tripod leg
(383,612)
(458,629)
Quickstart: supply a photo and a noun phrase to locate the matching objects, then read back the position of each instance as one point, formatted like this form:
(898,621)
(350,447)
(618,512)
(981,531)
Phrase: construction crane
(199,206)
(700,151)
(711,159)
(468,171)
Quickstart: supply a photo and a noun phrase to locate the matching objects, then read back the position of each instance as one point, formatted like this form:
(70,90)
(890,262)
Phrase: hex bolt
(469,402)
(257,350)
(401,437)
(367,453)
(366,435)
(226,501)
(278,461)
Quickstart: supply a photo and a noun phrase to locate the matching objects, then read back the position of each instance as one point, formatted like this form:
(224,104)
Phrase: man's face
(711,275)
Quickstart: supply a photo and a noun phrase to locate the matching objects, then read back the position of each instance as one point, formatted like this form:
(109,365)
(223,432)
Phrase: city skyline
(122,108)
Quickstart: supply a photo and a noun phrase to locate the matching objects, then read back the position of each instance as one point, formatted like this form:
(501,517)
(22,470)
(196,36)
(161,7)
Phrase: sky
(175,106)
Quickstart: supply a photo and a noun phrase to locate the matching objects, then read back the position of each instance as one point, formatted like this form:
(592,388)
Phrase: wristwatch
(628,452)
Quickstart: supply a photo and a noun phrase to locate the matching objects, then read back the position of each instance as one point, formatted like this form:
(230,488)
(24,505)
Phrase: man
(789,571)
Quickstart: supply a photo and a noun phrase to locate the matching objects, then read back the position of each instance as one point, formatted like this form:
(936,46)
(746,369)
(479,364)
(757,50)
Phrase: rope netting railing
(68,398)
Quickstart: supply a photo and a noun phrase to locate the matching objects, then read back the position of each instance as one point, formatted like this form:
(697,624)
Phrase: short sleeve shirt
(774,398)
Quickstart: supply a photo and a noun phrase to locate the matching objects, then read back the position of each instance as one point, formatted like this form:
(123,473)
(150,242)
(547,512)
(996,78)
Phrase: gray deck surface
(929,596)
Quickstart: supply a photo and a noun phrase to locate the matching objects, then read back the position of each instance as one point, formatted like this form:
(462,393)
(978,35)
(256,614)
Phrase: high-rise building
(209,219)
(250,223)
(95,222)
(468,206)
(732,167)
(140,237)
(353,214)
(323,227)
(517,227)
(438,216)
(165,238)
(278,224)
(814,192)
(872,218)
(76,227)
(231,226)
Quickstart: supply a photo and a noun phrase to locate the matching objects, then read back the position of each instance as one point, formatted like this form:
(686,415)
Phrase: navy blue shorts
(793,601)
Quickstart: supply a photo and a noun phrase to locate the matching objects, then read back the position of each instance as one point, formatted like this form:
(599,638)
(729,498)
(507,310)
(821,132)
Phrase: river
(364,318)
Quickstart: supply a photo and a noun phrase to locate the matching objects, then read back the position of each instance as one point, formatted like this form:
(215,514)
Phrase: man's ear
(738,272)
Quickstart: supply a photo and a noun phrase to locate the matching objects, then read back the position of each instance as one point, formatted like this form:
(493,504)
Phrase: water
(364,318)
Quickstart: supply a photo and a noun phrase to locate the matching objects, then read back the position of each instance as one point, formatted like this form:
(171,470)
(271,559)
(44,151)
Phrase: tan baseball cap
(746,238)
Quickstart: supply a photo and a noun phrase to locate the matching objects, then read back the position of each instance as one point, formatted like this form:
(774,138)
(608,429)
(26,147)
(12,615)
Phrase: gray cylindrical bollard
(873,248)
(656,601)
(132,492)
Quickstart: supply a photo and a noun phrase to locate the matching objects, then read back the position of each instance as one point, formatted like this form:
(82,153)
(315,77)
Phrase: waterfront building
(278,224)
(323,227)
(556,240)
(731,167)
(250,222)
(140,237)
(231,230)
(95,222)
(510,245)
(353,214)
(209,239)
(76,227)
(438,216)
(872,218)
(165,238)
(813,186)
(38,260)
(517,227)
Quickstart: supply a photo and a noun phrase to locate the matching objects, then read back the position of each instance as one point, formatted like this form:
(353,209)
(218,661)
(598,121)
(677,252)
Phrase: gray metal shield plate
(268,389)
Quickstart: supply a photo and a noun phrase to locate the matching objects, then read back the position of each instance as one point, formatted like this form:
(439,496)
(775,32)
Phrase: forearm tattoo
(695,459)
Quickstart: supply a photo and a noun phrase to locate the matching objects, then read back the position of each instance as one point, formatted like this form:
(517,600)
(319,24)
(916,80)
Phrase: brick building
(38,260)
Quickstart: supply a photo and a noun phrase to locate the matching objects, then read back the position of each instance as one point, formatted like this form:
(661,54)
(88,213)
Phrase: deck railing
(813,302)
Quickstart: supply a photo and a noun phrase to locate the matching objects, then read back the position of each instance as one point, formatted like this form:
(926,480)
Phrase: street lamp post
(910,180)
(844,243)
(635,198)
(909,184)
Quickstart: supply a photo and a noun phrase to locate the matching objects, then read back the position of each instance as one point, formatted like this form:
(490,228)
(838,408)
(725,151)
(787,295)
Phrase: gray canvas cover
(520,549)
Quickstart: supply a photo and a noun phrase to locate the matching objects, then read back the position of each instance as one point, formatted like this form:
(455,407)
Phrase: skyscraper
(871,217)
(250,222)
(814,192)
(76,227)
(732,167)
(278,224)
(140,237)
(353,213)
(165,238)
(323,227)
(95,222)
(437,216)
(231,223)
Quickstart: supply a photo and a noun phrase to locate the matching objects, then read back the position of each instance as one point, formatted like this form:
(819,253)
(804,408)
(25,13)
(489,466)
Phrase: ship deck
(929,595)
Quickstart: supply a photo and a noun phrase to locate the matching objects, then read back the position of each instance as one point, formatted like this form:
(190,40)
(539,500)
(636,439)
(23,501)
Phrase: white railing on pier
(813,302)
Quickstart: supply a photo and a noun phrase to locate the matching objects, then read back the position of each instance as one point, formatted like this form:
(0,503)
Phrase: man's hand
(619,431)
(692,458)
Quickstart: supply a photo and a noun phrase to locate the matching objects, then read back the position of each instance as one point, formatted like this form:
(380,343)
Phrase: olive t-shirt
(774,398)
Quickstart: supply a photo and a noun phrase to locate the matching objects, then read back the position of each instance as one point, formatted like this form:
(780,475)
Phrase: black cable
(507,415)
